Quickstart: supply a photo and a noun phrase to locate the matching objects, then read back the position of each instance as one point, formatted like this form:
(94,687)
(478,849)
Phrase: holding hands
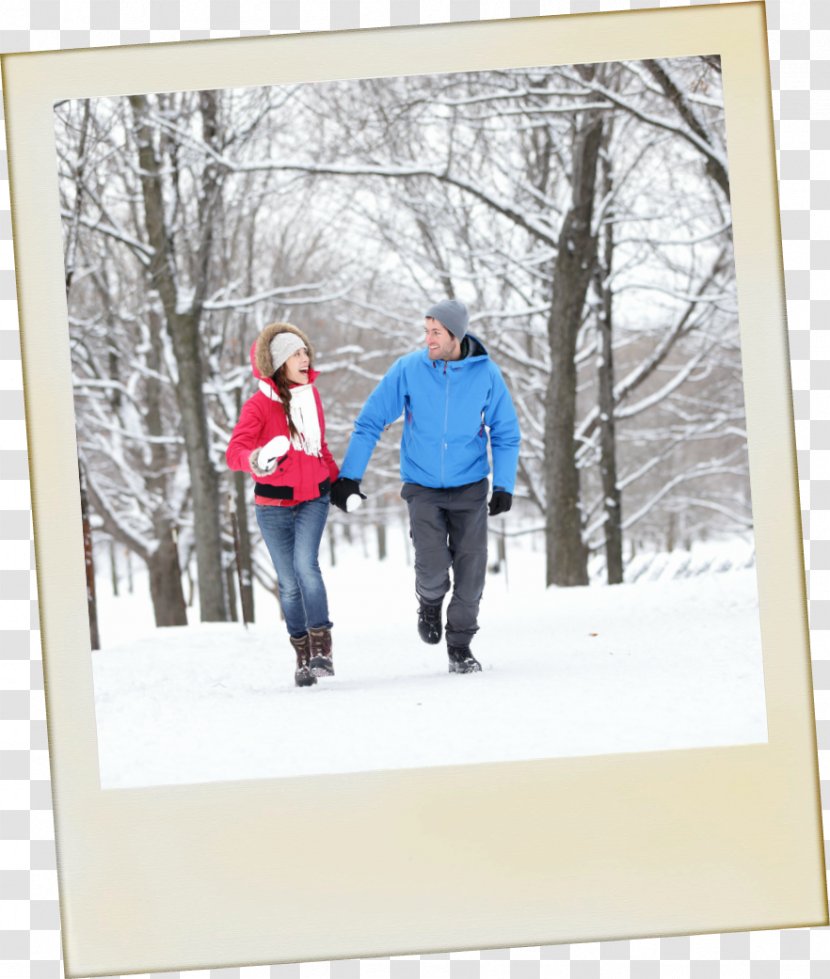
(346,495)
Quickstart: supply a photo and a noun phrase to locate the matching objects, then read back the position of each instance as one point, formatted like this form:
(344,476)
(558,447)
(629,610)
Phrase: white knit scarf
(308,439)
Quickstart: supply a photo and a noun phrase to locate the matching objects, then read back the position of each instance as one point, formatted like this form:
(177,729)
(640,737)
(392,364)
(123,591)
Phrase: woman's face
(296,367)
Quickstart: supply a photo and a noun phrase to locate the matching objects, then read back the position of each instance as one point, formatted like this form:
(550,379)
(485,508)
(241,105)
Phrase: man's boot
(321,647)
(429,621)
(303,677)
(462,660)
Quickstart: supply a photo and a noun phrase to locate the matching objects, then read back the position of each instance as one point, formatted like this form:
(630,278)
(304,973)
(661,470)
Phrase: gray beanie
(451,314)
(282,346)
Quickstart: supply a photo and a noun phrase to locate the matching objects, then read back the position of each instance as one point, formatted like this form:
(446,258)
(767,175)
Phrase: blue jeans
(292,535)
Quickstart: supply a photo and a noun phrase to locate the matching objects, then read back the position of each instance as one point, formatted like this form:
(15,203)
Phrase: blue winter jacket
(448,407)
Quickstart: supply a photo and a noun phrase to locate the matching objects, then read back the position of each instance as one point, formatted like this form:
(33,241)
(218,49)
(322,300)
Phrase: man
(451,393)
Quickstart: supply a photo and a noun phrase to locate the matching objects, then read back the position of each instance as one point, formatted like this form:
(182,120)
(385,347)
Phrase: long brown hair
(279,378)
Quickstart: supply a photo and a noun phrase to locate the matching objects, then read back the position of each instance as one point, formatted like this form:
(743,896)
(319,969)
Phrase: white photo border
(202,876)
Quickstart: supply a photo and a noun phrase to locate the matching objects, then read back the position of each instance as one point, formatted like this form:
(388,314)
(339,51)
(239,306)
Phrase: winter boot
(429,621)
(303,677)
(320,644)
(462,660)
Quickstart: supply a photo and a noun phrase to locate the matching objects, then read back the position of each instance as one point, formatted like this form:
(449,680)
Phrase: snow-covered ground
(648,666)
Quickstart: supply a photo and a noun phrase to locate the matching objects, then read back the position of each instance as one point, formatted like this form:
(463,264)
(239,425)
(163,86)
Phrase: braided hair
(279,378)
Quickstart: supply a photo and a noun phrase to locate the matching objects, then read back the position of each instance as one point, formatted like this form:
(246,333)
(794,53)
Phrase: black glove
(342,489)
(500,502)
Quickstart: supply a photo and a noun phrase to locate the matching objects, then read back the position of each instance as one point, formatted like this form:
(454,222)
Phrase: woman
(280,440)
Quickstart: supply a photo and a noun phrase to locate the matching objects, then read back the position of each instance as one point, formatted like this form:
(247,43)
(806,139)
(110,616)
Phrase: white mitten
(353,502)
(271,451)
(256,468)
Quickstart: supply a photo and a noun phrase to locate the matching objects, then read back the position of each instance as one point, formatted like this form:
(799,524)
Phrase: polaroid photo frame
(557,850)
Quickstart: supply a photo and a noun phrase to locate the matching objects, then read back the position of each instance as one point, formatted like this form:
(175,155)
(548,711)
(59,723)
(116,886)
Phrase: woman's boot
(321,661)
(303,677)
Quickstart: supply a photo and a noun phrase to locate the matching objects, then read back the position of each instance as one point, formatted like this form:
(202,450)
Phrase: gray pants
(448,528)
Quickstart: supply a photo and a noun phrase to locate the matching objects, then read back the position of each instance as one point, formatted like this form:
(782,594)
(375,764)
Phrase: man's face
(441,344)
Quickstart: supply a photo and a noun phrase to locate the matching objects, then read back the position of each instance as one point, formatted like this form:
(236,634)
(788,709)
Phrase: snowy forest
(582,214)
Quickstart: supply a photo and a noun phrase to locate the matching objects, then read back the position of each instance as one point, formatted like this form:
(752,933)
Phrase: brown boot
(320,643)
(303,677)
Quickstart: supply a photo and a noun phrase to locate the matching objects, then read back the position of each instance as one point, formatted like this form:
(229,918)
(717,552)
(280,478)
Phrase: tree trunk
(670,532)
(500,563)
(166,581)
(381,535)
(246,570)
(204,481)
(113,568)
(612,502)
(191,587)
(183,328)
(332,546)
(230,590)
(74,225)
(89,563)
(567,555)
(165,568)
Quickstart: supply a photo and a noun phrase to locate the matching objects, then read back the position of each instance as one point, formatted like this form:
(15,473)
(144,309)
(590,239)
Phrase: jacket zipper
(446,421)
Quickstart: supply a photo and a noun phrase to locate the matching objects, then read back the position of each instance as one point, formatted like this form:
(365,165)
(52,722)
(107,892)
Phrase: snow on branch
(392,172)
(283,292)
(143,252)
(695,136)
(715,467)
(112,521)
(662,393)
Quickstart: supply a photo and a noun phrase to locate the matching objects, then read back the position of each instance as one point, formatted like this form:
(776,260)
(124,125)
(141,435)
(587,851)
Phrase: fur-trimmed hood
(263,366)
(306,470)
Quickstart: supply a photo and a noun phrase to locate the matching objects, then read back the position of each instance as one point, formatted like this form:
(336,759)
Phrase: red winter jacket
(298,476)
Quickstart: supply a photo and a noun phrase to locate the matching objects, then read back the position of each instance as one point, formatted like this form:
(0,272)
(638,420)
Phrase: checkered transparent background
(799,40)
